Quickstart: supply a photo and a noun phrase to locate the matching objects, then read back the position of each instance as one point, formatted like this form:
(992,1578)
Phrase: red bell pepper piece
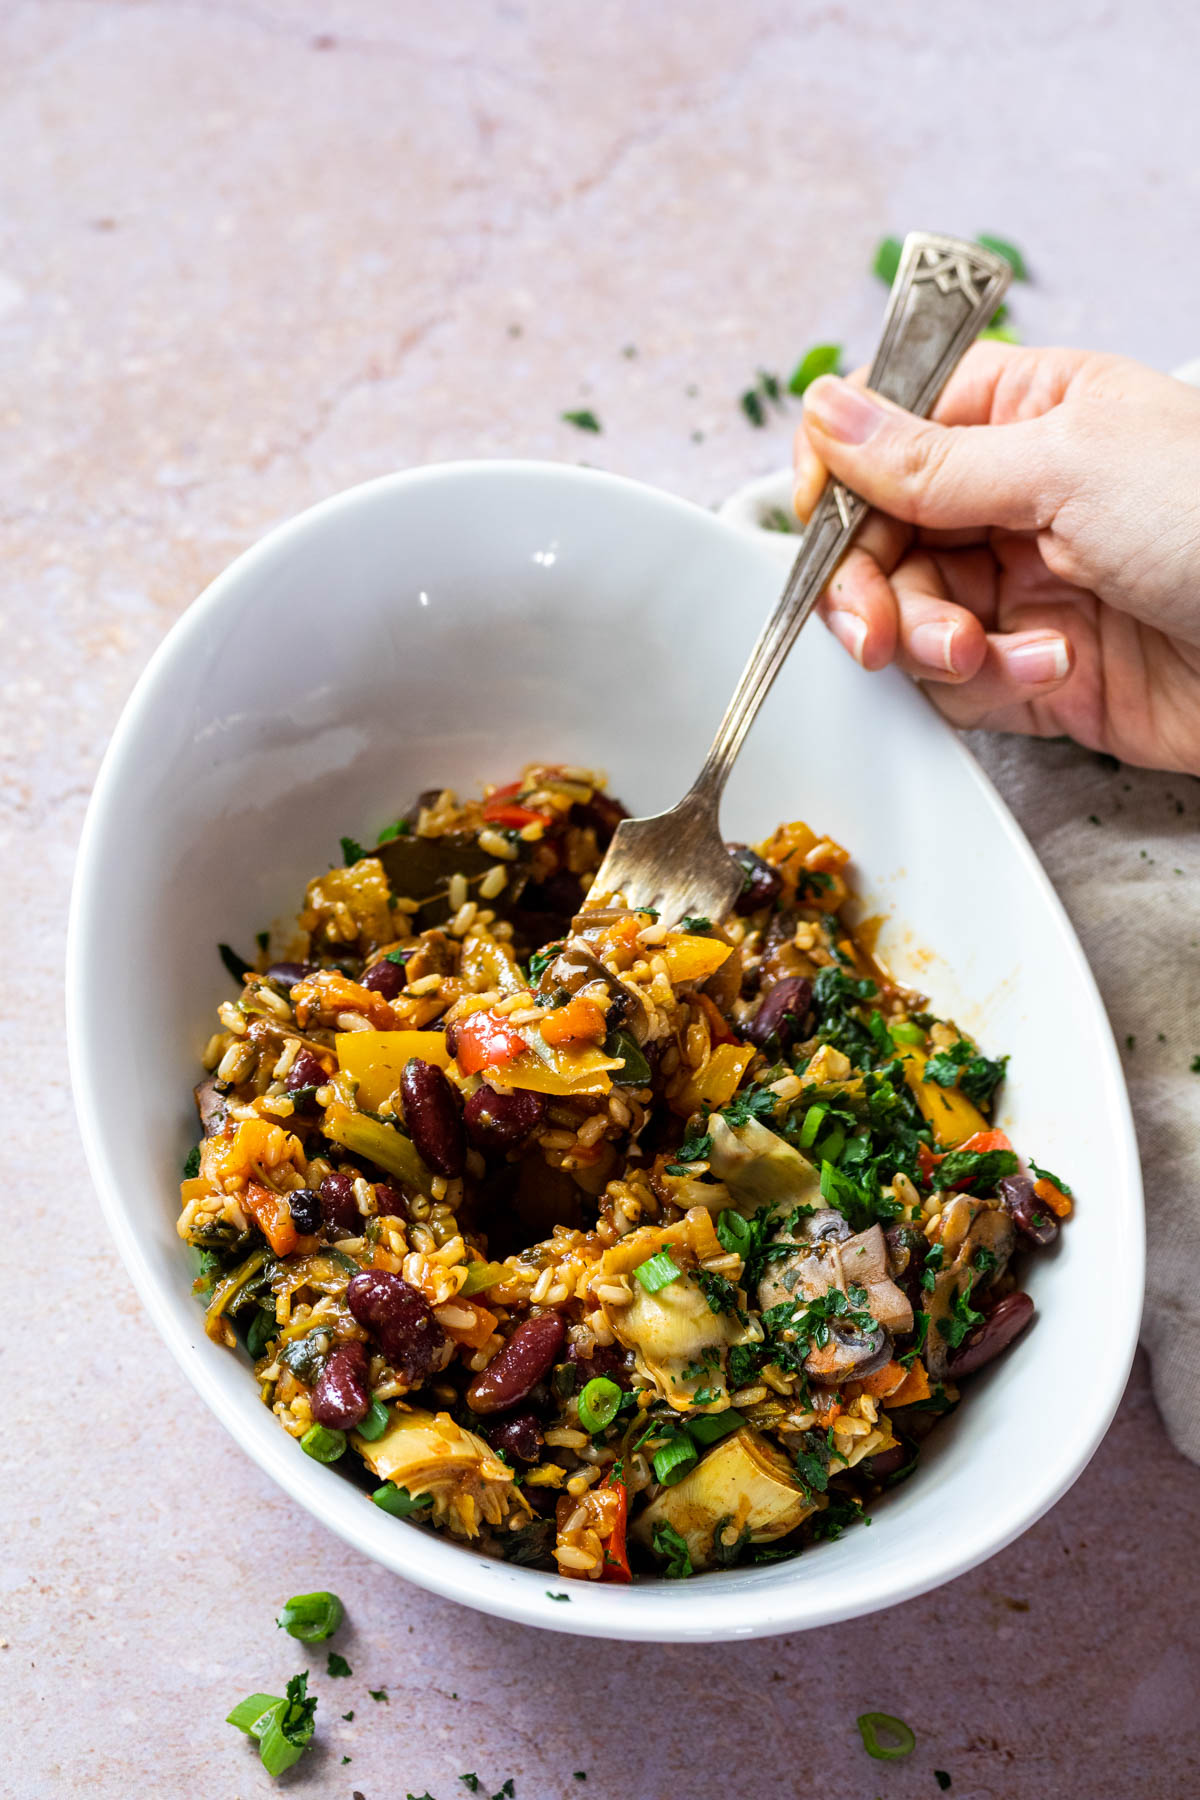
(500,809)
(616,1557)
(482,1041)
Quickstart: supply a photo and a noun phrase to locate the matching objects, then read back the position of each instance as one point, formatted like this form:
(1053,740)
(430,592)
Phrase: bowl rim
(650,1611)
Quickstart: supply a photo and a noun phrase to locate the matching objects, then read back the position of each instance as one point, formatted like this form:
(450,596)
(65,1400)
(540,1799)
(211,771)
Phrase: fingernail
(933,643)
(1038,659)
(850,632)
(842,411)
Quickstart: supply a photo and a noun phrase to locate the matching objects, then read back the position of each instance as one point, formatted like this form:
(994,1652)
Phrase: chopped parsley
(540,961)
(352,851)
(1057,1180)
(668,1544)
(933,1262)
(338,1665)
(583,420)
(962,1321)
(692,1149)
(983,1168)
(400,829)
(690,923)
(942,1779)
(719,1293)
(378,1693)
(191,1167)
(962,1066)
(887,259)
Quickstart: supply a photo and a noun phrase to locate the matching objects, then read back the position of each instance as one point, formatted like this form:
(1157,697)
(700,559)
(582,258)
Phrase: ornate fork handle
(944,293)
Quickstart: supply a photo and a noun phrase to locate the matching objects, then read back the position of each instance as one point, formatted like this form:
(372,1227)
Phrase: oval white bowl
(445,626)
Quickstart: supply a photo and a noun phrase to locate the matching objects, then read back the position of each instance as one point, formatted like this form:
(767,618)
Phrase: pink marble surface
(250,255)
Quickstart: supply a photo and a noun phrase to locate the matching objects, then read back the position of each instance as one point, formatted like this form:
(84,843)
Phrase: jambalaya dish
(617,1246)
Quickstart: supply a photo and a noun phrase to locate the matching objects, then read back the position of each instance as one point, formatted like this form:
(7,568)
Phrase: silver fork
(944,293)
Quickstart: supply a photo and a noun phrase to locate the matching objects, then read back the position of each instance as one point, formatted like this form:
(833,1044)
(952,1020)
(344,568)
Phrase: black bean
(338,1203)
(386,978)
(501,1121)
(783,1015)
(400,1320)
(433,1117)
(306,1210)
(287,974)
(1007,1319)
(1032,1218)
(519,1366)
(341,1396)
(308,1071)
(519,1436)
(763,884)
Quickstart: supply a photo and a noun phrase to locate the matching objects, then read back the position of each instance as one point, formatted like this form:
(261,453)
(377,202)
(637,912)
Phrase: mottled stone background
(250,254)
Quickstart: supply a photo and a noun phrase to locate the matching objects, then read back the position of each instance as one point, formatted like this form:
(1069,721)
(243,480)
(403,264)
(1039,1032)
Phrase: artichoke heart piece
(760,1168)
(424,1453)
(743,1485)
(679,1343)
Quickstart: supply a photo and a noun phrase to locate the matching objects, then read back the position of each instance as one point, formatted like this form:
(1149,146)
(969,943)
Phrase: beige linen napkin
(1122,847)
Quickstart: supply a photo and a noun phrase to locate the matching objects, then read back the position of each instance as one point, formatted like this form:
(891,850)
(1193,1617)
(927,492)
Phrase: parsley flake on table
(471,1781)
(338,1665)
(942,1779)
(377,1693)
(583,420)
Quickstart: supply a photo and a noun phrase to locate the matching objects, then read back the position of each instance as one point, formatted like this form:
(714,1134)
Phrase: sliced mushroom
(742,1486)
(968,1227)
(840,1261)
(424,1453)
(576,966)
(849,1353)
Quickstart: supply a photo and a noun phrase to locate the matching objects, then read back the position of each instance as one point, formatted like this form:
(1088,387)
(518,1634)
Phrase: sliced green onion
(322,1444)
(832,1144)
(811,1125)
(598,1403)
(311,1617)
(394,1500)
(375,1422)
(263,1328)
(903,1742)
(707,1428)
(250,1714)
(905,1032)
(673,1461)
(277,1751)
(658,1272)
(734,1232)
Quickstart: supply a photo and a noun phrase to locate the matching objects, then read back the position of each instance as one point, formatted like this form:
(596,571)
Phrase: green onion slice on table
(311,1617)
(885,1737)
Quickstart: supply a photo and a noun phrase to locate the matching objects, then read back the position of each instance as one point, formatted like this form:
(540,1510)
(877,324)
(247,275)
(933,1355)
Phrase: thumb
(949,478)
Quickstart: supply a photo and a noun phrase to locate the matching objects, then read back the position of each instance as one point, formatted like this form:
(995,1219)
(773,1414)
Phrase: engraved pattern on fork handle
(944,293)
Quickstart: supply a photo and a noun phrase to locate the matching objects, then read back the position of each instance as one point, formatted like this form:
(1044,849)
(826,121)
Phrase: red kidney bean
(501,1121)
(783,1014)
(886,1463)
(308,1071)
(1007,1319)
(384,977)
(390,1201)
(519,1436)
(400,1320)
(338,1203)
(341,1396)
(519,1366)
(1031,1217)
(287,974)
(431,1112)
(306,1210)
(763,884)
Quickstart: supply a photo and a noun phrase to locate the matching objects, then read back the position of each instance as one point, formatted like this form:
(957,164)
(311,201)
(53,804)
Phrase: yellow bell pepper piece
(953,1117)
(717,1082)
(376,1059)
(691,958)
(487,963)
(584,1072)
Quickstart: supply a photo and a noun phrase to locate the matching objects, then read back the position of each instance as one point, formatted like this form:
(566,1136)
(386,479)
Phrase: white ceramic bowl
(446,625)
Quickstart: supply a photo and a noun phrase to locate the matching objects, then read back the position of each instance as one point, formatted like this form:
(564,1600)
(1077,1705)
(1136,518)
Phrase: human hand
(1035,559)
